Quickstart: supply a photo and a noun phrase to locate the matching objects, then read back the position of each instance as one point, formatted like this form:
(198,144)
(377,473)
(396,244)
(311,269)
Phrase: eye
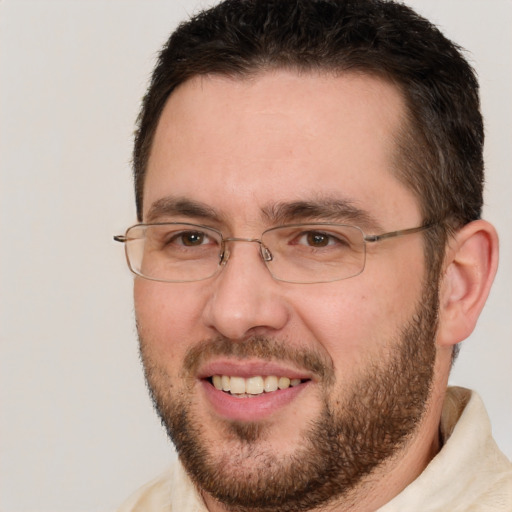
(190,238)
(320,239)
(317,239)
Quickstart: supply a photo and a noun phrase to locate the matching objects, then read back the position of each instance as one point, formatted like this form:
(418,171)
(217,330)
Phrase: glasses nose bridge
(265,253)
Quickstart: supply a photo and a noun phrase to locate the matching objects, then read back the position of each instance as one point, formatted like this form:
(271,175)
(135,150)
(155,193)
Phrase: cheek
(167,318)
(358,323)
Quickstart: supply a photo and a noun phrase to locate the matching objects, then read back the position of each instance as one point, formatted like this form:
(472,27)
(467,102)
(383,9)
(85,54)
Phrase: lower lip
(252,408)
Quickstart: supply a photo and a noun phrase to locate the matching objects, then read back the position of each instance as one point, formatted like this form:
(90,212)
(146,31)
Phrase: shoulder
(470,470)
(172,491)
(469,473)
(152,497)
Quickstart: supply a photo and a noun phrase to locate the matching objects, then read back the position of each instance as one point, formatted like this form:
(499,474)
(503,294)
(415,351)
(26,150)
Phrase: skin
(240,147)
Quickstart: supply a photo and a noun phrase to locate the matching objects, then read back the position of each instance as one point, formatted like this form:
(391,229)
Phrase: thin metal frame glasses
(305,253)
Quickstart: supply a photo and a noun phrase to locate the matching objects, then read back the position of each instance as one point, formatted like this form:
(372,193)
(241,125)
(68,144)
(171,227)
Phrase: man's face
(243,156)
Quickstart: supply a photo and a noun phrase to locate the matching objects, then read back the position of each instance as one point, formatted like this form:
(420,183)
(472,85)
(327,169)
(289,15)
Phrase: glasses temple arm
(392,234)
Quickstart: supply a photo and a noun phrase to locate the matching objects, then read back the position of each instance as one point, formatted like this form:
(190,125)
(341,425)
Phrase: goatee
(356,431)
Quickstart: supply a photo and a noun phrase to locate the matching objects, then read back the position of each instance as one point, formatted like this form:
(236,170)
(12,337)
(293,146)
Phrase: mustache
(261,347)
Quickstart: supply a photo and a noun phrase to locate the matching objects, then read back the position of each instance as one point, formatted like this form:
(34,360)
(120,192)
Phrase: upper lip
(250,368)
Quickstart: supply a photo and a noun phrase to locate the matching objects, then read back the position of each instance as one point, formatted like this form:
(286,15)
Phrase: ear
(469,268)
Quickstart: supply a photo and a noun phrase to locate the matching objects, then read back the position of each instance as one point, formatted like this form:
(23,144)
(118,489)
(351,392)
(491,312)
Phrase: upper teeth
(252,385)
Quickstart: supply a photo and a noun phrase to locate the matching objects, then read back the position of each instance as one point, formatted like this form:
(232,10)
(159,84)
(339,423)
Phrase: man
(310,252)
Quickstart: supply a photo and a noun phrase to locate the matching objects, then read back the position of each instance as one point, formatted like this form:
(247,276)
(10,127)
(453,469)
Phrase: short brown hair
(440,145)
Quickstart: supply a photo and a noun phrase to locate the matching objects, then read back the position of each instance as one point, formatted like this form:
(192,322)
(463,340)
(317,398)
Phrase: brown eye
(192,238)
(321,240)
(317,239)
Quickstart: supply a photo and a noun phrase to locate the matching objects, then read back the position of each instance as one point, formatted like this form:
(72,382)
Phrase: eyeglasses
(297,253)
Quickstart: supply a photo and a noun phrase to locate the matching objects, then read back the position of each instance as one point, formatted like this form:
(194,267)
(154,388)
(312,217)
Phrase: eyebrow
(325,209)
(170,206)
(320,210)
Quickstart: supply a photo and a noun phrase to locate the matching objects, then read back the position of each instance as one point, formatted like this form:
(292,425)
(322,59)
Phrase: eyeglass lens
(301,253)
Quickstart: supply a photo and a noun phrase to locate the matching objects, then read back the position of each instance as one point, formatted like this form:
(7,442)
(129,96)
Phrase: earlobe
(470,265)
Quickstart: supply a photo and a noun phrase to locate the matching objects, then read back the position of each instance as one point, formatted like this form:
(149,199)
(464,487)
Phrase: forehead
(242,145)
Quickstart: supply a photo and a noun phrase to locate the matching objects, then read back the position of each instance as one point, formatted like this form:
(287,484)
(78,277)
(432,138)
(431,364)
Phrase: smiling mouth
(252,386)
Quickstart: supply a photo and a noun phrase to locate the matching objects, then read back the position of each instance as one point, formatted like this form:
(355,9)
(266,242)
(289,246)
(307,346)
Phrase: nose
(245,300)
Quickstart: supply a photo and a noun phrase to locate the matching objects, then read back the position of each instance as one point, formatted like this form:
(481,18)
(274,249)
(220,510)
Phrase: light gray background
(77,432)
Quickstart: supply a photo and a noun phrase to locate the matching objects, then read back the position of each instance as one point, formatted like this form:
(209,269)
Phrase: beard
(355,432)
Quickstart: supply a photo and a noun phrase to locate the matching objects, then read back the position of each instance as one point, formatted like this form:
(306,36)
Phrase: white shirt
(469,474)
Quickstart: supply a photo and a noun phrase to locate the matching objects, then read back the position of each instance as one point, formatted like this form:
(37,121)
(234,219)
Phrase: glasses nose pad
(266,254)
(223,255)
